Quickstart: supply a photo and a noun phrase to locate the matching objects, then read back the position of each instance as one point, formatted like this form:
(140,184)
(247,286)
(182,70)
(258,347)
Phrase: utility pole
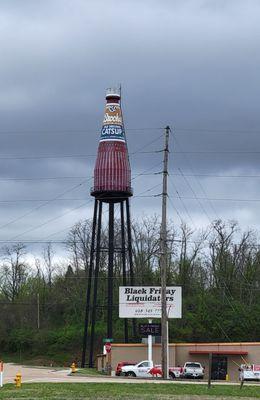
(38,310)
(163,260)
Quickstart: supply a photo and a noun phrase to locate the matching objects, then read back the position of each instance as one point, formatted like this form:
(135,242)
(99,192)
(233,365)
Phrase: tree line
(42,303)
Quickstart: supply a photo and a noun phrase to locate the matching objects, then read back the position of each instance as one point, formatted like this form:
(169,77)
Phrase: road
(40,374)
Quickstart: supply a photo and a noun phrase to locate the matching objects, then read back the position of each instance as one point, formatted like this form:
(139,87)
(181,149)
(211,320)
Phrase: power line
(69,211)
(182,202)
(200,185)
(196,197)
(47,178)
(76,156)
(217,199)
(58,197)
(213,130)
(50,220)
(70,131)
(148,144)
(141,174)
(43,205)
(46,157)
(216,152)
(95,131)
(61,241)
(215,175)
(175,209)
(43,157)
(148,169)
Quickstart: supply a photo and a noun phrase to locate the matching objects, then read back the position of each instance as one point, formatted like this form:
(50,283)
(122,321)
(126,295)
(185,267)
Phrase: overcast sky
(190,64)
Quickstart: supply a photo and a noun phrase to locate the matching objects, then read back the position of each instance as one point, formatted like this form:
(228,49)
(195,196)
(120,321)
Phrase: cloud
(193,65)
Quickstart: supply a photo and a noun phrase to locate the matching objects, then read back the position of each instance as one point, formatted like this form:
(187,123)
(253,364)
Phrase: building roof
(223,352)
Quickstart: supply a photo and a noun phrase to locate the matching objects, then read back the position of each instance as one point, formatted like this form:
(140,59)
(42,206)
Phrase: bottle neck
(113,99)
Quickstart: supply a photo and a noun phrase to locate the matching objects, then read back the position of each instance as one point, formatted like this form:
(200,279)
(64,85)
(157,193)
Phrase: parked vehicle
(123,364)
(193,370)
(141,369)
(146,369)
(174,372)
(249,372)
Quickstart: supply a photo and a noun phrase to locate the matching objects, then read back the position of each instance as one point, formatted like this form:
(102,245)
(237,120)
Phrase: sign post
(1,373)
(150,344)
(108,347)
(210,370)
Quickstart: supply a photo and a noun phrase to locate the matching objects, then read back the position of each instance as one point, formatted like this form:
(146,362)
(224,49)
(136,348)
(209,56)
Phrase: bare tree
(14,270)
(146,248)
(48,254)
(189,267)
(78,244)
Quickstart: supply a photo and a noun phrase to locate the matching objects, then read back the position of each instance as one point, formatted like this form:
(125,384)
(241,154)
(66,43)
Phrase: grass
(46,360)
(126,391)
(89,372)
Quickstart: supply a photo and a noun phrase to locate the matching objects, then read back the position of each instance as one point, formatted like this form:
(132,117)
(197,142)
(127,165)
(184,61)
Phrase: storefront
(226,357)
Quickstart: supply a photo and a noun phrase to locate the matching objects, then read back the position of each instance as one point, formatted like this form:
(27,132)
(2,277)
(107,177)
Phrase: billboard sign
(145,301)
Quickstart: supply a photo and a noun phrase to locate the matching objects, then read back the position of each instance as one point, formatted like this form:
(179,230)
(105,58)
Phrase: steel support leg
(123,260)
(110,271)
(130,255)
(92,250)
(94,304)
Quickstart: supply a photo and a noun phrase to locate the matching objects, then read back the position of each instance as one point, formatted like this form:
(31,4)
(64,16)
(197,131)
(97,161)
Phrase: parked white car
(147,369)
(193,370)
(141,369)
(249,372)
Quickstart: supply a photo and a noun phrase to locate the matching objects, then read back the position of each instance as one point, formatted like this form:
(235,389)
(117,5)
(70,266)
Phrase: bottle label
(113,128)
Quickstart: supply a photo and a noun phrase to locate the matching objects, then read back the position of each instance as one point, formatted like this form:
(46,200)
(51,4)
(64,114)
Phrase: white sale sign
(145,301)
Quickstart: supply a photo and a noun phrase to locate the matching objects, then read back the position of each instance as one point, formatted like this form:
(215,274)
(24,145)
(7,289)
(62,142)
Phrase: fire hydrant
(73,368)
(18,380)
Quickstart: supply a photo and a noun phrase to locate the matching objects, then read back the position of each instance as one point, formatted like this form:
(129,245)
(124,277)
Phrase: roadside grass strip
(127,391)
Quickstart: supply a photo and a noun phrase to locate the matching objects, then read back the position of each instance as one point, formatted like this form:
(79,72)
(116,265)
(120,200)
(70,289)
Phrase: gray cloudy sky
(192,64)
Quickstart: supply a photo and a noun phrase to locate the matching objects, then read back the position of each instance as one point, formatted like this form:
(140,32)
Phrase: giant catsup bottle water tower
(112,185)
(112,175)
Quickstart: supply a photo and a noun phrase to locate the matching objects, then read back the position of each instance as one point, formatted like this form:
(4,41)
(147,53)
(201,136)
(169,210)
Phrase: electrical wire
(218,199)
(71,132)
(196,197)
(43,205)
(188,161)
(215,175)
(210,152)
(47,157)
(182,202)
(213,130)
(175,209)
(71,210)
